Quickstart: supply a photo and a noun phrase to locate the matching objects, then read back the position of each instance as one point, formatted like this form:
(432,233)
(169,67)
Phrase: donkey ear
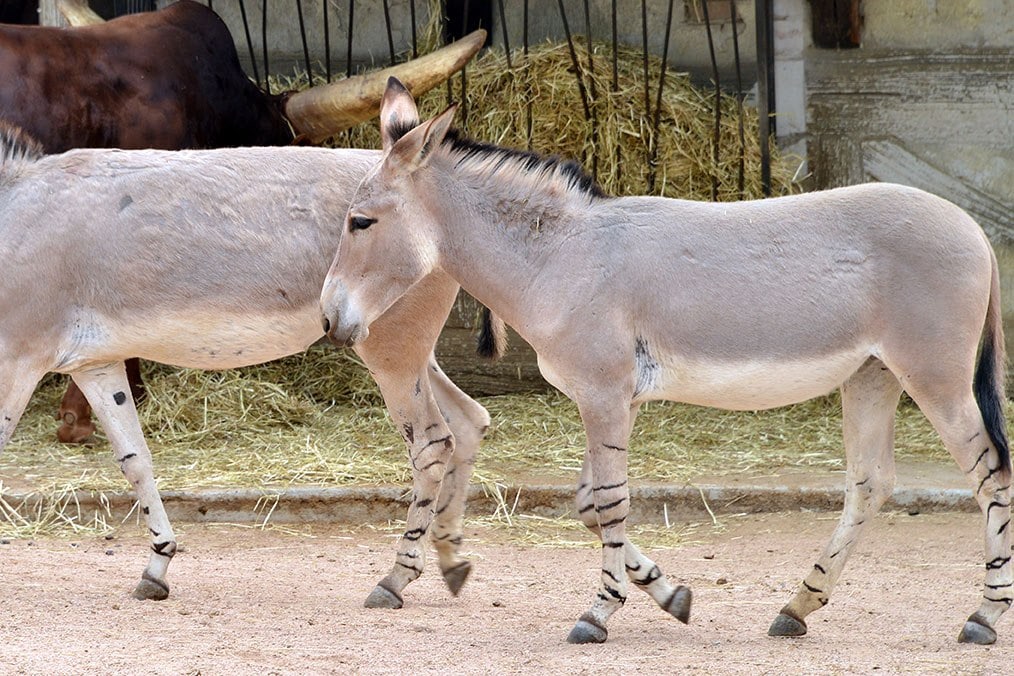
(398,113)
(415,148)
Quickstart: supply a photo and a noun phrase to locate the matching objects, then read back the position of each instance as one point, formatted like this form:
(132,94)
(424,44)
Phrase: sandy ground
(261,602)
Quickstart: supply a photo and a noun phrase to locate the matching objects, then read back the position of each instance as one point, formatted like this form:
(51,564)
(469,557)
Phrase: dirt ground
(248,601)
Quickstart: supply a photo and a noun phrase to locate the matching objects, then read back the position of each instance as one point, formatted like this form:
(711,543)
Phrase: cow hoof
(977,631)
(587,630)
(150,589)
(786,625)
(679,604)
(382,597)
(455,576)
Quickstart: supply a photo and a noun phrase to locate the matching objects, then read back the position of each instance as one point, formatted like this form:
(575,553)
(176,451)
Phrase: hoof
(455,576)
(150,589)
(382,597)
(587,630)
(977,631)
(786,625)
(679,604)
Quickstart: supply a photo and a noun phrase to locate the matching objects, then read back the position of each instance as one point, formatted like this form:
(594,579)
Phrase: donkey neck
(501,228)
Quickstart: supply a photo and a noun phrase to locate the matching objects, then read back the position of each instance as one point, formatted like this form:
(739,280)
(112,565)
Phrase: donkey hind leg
(869,400)
(409,399)
(642,571)
(468,422)
(108,391)
(608,431)
(959,422)
(16,387)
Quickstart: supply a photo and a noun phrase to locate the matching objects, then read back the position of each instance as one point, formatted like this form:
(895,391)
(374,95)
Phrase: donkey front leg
(607,427)
(108,391)
(468,422)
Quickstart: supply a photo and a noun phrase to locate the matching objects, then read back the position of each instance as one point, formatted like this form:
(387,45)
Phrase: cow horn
(78,13)
(325,110)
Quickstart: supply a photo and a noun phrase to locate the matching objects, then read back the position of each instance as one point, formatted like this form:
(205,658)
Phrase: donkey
(207,259)
(875,289)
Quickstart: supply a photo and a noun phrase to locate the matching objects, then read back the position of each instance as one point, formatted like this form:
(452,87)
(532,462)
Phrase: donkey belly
(198,339)
(750,385)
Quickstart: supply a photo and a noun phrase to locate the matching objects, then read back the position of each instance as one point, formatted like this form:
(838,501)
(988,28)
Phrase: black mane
(570,170)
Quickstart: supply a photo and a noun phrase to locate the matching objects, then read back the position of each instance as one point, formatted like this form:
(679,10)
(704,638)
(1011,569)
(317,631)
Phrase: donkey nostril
(327,325)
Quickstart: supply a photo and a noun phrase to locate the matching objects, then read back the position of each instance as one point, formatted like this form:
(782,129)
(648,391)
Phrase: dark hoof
(786,625)
(679,604)
(587,630)
(382,597)
(977,631)
(455,576)
(150,589)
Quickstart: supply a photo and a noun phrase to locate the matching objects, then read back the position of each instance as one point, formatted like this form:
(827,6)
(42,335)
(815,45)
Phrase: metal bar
(390,34)
(616,86)
(327,44)
(415,40)
(302,35)
(644,61)
(528,75)
(593,94)
(348,53)
(464,74)
(264,44)
(764,85)
(653,160)
(506,40)
(249,42)
(715,149)
(574,60)
(741,169)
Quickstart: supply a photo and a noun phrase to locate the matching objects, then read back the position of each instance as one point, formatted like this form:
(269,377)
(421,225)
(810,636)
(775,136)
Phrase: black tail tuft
(492,339)
(989,393)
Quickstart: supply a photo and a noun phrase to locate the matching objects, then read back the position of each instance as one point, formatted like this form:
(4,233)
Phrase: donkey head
(390,241)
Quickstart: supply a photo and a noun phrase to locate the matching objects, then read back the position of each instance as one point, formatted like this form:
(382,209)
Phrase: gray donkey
(206,259)
(875,289)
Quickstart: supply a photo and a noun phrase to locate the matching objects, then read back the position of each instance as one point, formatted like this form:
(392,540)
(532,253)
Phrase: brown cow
(171,80)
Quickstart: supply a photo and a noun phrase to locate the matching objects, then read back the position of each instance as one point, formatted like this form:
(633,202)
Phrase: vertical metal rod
(306,47)
(741,171)
(348,53)
(653,160)
(327,44)
(264,44)
(528,79)
(764,84)
(506,40)
(390,35)
(464,74)
(616,87)
(573,60)
(415,40)
(593,94)
(716,152)
(249,42)
(644,61)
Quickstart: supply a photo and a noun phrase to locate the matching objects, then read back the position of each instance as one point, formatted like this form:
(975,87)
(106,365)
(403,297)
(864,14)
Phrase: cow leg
(641,570)
(869,400)
(76,416)
(468,422)
(107,388)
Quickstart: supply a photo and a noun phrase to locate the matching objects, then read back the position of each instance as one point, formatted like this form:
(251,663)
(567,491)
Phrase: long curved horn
(325,110)
(78,13)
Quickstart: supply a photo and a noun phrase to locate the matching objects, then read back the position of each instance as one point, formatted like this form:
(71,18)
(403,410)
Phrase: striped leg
(108,392)
(966,438)
(641,570)
(607,430)
(468,422)
(869,400)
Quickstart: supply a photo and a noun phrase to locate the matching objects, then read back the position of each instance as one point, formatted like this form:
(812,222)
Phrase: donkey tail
(991,372)
(492,339)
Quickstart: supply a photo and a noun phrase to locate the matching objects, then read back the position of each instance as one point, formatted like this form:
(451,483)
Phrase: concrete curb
(377,504)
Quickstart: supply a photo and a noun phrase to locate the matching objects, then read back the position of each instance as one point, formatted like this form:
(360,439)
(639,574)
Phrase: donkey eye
(360,222)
